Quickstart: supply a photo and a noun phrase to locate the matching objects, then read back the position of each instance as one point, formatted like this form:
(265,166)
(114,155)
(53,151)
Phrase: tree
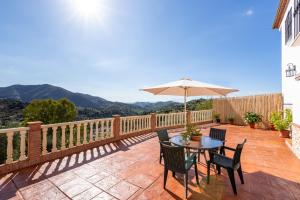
(50,111)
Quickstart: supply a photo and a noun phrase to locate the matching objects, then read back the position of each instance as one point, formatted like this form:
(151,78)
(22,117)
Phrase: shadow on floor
(10,183)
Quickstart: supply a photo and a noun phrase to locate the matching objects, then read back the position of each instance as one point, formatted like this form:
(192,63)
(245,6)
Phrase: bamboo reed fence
(236,107)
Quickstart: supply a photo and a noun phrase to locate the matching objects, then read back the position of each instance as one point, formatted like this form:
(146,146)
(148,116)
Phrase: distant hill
(27,93)
(88,106)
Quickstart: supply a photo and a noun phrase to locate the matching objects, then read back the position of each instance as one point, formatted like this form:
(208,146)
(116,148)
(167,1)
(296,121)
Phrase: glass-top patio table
(205,143)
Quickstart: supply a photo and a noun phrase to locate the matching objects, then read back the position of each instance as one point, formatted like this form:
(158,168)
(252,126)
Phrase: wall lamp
(291,70)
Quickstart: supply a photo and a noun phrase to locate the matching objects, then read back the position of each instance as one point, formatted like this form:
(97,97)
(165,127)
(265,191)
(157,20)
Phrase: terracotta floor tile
(104,196)
(141,180)
(98,177)
(88,194)
(108,182)
(123,190)
(75,187)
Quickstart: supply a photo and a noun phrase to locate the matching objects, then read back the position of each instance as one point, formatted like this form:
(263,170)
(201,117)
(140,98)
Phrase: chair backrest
(218,134)
(174,158)
(238,152)
(163,135)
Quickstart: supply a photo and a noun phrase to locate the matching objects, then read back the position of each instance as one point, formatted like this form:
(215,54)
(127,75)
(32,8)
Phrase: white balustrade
(170,119)
(135,124)
(91,128)
(201,116)
(10,148)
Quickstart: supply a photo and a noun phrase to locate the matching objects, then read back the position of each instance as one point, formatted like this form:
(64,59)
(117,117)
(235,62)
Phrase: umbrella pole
(185,113)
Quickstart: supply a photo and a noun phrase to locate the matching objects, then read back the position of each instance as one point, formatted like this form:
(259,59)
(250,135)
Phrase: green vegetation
(217,118)
(252,118)
(198,104)
(50,111)
(191,129)
(282,121)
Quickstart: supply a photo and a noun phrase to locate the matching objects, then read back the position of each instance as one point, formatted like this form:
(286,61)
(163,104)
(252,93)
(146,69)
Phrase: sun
(89,10)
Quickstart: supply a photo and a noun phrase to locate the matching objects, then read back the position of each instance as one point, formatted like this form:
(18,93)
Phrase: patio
(130,170)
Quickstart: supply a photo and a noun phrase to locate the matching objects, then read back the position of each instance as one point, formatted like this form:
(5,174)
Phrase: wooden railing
(201,116)
(170,119)
(135,124)
(37,143)
(75,134)
(19,150)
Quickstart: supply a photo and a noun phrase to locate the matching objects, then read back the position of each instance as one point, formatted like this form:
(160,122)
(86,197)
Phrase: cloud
(249,12)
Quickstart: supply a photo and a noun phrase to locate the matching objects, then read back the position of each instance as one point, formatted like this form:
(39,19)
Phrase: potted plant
(217,118)
(191,133)
(275,116)
(230,120)
(283,124)
(252,118)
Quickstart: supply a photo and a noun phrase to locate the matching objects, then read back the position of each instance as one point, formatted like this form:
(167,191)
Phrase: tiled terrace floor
(130,170)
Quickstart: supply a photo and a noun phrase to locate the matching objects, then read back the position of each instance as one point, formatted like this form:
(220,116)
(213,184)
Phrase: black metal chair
(163,136)
(218,134)
(177,161)
(230,164)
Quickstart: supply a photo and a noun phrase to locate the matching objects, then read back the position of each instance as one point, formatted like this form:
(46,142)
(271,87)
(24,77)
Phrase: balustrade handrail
(74,122)
(14,129)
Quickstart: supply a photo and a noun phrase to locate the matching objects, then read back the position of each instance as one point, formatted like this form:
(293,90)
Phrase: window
(296,17)
(288,26)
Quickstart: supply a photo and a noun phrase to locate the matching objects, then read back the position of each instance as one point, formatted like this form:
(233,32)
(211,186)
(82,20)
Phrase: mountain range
(88,105)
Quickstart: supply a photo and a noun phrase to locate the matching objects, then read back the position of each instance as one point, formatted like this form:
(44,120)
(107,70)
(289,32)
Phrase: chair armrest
(229,148)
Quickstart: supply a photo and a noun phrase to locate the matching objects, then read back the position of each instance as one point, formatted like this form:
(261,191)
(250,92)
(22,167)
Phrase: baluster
(110,128)
(78,134)
(45,130)
(71,127)
(130,125)
(54,131)
(22,147)
(63,137)
(97,131)
(84,132)
(91,132)
(102,129)
(9,148)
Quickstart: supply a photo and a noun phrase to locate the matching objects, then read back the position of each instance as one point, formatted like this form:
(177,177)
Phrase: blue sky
(127,45)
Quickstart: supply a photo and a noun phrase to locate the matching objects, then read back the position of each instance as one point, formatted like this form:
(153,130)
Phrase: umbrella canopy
(187,87)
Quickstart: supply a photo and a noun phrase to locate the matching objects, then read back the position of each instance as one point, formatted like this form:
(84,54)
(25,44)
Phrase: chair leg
(173,174)
(160,156)
(232,181)
(219,169)
(198,156)
(165,177)
(240,172)
(205,156)
(186,185)
(196,172)
(208,172)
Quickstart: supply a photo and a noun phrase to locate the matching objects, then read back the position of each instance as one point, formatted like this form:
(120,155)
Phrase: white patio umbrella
(187,87)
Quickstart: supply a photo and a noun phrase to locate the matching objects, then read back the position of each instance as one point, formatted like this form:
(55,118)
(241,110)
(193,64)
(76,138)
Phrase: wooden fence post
(116,126)
(34,142)
(153,122)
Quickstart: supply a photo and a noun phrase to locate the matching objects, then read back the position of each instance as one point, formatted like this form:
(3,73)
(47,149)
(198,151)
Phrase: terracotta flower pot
(252,125)
(272,127)
(285,133)
(196,137)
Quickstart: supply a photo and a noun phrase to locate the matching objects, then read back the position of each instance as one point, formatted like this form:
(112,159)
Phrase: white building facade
(287,20)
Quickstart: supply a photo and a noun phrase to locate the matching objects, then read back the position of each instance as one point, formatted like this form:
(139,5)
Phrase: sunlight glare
(89,10)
